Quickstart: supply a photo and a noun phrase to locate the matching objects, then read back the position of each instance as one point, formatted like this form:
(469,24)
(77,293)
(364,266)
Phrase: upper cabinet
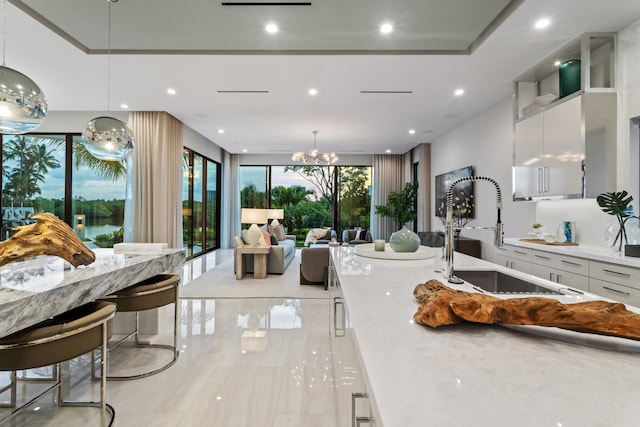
(565,123)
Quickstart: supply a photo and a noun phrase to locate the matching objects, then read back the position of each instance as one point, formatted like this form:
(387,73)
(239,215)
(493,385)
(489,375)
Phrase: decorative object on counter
(441,305)
(401,207)
(367,250)
(548,240)
(379,245)
(47,236)
(569,76)
(568,228)
(463,198)
(617,203)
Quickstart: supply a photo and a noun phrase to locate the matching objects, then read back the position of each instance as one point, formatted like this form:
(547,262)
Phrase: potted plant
(401,207)
(617,204)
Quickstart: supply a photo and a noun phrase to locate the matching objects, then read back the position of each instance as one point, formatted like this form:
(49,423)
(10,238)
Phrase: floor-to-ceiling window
(54,173)
(311,196)
(200,203)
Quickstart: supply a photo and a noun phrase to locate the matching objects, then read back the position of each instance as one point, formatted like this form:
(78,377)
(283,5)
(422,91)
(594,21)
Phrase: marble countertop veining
(36,289)
(472,374)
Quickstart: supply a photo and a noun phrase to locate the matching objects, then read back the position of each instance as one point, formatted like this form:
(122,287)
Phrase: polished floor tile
(252,353)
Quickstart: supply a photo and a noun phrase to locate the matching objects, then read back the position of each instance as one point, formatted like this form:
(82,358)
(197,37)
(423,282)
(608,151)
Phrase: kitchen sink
(495,282)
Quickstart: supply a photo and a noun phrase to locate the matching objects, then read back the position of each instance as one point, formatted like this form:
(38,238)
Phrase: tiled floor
(253,353)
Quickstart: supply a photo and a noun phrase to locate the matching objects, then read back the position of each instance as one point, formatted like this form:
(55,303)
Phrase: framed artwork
(463,196)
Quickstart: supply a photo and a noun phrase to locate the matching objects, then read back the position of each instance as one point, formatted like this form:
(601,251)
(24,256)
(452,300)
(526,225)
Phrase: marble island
(472,374)
(38,288)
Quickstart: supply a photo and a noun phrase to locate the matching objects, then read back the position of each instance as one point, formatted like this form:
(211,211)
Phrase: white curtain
(154,185)
(388,176)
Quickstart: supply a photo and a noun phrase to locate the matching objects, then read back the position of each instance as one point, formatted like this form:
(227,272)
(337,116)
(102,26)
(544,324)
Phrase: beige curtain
(388,175)
(154,196)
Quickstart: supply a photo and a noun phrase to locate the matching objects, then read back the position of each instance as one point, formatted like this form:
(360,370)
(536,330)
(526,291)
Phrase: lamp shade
(275,213)
(254,216)
(23,106)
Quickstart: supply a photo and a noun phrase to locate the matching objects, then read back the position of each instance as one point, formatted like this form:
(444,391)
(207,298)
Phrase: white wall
(486,143)
(201,145)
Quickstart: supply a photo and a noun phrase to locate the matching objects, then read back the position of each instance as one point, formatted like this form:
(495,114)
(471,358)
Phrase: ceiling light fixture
(313,92)
(313,156)
(557,63)
(271,28)
(171,91)
(386,28)
(105,137)
(412,131)
(23,106)
(459,92)
(220,131)
(542,23)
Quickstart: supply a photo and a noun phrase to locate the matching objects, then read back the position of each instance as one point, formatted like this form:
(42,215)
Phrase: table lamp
(275,215)
(253,217)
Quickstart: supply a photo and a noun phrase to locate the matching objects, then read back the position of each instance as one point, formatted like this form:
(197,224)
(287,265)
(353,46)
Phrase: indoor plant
(619,204)
(401,207)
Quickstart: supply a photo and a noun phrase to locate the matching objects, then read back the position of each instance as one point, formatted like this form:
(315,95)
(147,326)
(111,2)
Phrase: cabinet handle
(542,257)
(355,420)
(577,264)
(616,290)
(616,272)
(520,252)
(539,179)
(545,179)
(551,277)
(558,278)
(338,331)
(367,420)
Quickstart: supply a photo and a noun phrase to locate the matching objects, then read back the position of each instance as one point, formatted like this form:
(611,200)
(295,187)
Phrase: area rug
(219,281)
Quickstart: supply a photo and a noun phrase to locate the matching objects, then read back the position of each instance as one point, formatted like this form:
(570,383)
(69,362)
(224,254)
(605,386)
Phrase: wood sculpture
(47,236)
(441,305)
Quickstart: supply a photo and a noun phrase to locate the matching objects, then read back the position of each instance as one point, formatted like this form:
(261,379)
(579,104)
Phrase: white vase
(404,240)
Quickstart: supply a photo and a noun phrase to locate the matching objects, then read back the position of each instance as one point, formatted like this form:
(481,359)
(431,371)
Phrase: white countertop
(596,253)
(44,286)
(471,374)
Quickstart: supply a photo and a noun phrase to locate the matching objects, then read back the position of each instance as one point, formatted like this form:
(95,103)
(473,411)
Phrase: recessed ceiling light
(124,106)
(244,150)
(313,92)
(171,91)
(220,130)
(542,23)
(387,151)
(459,92)
(386,28)
(412,131)
(557,63)
(271,28)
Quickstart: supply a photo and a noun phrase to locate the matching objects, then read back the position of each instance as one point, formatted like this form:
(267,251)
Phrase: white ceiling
(202,49)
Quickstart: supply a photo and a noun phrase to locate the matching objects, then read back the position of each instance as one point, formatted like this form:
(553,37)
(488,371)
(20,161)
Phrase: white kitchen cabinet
(514,257)
(617,292)
(549,152)
(569,271)
(353,403)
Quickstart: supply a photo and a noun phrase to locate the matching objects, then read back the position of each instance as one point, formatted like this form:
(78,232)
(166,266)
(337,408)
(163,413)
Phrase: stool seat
(61,338)
(154,292)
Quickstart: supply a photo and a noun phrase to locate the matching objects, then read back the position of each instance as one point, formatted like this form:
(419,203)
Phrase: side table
(259,261)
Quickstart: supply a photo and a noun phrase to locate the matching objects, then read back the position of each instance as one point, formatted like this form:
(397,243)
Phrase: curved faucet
(449,229)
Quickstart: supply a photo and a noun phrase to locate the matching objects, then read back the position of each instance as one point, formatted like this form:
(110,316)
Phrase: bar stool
(56,340)
(155,292)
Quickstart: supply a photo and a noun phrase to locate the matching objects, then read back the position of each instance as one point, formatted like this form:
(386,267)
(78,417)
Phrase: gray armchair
(314,266)
(354,237)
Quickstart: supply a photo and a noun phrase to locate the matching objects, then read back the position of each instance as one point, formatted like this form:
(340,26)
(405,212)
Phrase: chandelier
(314,156)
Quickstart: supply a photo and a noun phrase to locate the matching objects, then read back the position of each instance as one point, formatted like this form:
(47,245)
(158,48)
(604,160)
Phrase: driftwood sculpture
(441,305)
(47,236)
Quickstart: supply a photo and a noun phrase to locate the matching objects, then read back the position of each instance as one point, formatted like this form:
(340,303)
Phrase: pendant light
(105,137)
(23,106)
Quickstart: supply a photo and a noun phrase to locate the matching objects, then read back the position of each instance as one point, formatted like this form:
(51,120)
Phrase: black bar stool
(154,292)
(56,340)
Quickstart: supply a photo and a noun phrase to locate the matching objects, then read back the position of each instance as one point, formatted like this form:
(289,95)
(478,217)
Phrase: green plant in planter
(617,204)
(400,206)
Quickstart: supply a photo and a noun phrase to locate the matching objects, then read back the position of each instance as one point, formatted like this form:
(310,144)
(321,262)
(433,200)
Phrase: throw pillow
(327,236)
(274,241)
(267,238)
(277,231)
(363,235)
